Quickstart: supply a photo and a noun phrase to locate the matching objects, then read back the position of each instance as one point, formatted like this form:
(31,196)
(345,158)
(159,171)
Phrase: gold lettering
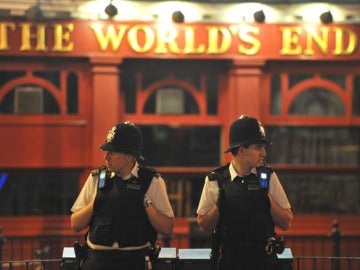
(190,42)
(110,36)
(322,41)
(219,39)
(339,41)
(62,37)
(149,38)
(249,39)
(4,45)
(166,35)
(27,36)
(290,40)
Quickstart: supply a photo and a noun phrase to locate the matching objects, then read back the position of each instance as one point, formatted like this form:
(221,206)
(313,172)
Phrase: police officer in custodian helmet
(123,204)
(242,202)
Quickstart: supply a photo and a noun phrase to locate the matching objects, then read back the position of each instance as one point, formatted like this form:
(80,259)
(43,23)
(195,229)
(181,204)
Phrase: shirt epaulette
(149,170)
(96,171)
(217,173)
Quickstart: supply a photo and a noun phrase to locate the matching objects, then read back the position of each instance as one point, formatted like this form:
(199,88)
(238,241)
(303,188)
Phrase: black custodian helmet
(125,138)
(246,130)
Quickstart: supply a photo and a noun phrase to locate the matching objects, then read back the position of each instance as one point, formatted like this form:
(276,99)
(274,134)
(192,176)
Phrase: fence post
(2,241)
(336,235)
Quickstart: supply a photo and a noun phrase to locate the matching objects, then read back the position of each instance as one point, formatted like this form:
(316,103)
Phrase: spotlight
(33,13)
(259,16)
(178,17)
(326,17)
(111,10)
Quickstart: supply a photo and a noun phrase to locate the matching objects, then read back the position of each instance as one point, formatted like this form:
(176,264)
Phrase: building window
(312,120)
(39,92)
(317,101)
(314,145)
(327,193)
(38,192)
(72,93)
(190,146)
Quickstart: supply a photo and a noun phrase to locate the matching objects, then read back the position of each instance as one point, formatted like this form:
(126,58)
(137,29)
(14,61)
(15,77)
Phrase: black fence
(321,252)
(296,263)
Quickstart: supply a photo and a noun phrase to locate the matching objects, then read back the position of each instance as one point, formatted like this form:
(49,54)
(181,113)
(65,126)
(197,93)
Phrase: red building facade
(65,83)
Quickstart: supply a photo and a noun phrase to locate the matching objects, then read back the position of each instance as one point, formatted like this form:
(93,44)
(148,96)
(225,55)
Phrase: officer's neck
(125,173)
(240,168)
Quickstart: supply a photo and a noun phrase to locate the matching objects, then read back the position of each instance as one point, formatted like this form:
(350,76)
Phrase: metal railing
(33,264)
(298,263)
(326,263)
(321,252)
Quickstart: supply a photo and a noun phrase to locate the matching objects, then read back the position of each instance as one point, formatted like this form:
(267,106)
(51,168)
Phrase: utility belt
(118,253)
(274,245)
(148,253)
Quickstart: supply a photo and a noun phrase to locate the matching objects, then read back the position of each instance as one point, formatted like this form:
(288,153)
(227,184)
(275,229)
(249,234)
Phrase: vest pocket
(100,234)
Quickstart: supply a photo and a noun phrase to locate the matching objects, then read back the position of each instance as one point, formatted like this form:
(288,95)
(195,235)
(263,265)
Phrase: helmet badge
(111,135)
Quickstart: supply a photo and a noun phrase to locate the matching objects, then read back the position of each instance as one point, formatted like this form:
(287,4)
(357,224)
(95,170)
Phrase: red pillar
(243,93)
(105,102)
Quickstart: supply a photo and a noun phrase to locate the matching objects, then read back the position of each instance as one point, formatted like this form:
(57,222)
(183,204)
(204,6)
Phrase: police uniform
(120,235)
(240,238)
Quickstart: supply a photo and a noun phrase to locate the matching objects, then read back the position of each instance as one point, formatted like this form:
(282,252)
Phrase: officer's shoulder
(268,169)
(148,171)
(96,171)
(217,173)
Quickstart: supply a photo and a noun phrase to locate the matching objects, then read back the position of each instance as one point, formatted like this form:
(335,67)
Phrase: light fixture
(326,17)
(34,12)
(178,16)
(111,10)
(259,16)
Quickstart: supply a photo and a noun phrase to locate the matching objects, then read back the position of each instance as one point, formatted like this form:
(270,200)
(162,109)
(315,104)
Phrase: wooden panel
(44,146)
(306,225)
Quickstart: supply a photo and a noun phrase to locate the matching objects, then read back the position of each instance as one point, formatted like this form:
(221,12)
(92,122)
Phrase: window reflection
(38,192)
(314,145)
(171,100)
(181,145)
(322,194)
(317,101)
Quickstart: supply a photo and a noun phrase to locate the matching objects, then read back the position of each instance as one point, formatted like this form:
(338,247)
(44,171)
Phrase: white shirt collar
(233,173)
(134,172)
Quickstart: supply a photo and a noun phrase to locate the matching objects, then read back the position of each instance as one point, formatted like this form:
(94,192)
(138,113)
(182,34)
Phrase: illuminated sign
(151,40)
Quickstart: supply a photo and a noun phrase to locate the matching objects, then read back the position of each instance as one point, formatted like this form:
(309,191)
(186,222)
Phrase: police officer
(242,201)
(123,204)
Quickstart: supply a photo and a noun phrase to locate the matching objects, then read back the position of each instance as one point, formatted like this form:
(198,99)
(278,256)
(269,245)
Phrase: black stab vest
(245,219)
(119,214)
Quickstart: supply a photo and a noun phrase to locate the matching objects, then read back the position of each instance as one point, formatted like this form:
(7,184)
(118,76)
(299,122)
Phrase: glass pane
(168,101)
(128,85)
(49,103)
(317,102)
(7,76)
(314,145)
(322,193)
(275,95)
(38,192)
(297,78)
(72,93)
(339,79)
(356,95)
(51,76)
(180,146)
(212,94)
(148,78)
